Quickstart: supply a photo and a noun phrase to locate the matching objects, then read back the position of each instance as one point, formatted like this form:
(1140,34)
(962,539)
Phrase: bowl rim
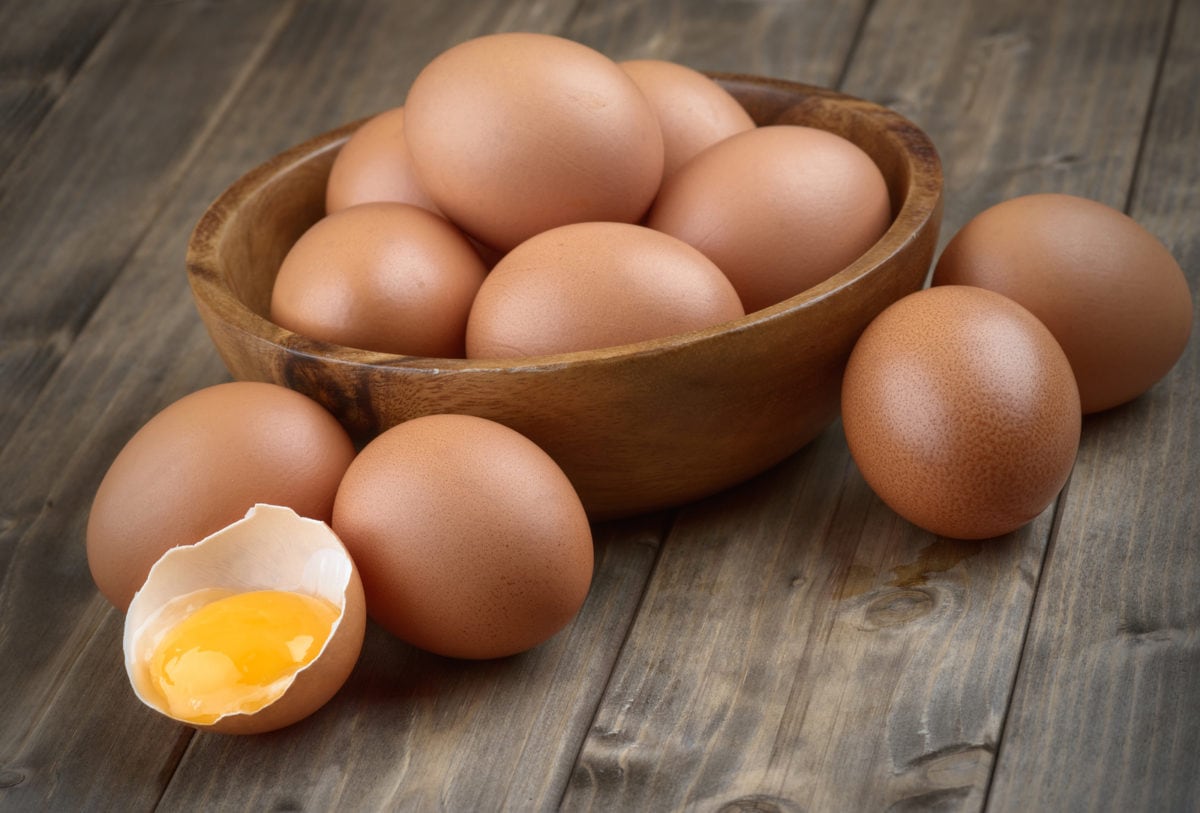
(921,203)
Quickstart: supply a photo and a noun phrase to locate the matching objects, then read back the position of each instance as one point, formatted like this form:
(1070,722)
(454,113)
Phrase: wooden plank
(1106,713)
(62,249)
(42,45)
(800,647)
(92,764)
(1026,99)
(1017,106)
(82,193)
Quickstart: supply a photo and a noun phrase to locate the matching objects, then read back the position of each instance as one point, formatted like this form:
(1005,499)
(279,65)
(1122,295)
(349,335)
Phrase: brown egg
(199,465)
(388,277)
(1110,292)
(513,134)
(961,412)
(778,209)
(592,285)
(693,111)
(471,542)
(249,629)
(375,165)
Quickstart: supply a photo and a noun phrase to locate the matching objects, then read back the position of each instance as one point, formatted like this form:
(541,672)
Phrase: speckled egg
(1109,291)
(961,411)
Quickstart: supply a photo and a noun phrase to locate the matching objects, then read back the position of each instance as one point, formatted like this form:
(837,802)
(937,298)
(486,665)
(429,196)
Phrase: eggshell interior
(272,547)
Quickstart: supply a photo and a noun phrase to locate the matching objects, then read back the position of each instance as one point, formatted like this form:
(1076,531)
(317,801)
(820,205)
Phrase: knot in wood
(760,803)
(897,607)
(10,778)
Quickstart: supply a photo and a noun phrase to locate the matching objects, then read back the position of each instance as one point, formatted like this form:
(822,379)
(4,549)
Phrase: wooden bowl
(636,427)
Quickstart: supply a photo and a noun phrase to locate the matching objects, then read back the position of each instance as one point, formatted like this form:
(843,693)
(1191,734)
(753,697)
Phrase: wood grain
(806,42)
(1024,97)
(65,251)
(42,46)
(1104,713)
(787,699)
(802,648)
(76,207)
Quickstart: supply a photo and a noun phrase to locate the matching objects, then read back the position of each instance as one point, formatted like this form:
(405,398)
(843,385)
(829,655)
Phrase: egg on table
(471,542)
(961,411)
(1109,291)
(199,465)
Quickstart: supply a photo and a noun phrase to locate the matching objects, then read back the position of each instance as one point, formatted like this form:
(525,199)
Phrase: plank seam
(1047,557)
(1159,70)
(637,612)
(856,40)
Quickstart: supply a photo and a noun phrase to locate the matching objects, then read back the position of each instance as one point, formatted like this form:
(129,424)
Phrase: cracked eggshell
(273,548)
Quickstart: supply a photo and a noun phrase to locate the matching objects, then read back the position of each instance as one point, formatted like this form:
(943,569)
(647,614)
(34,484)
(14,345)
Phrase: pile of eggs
(533,197)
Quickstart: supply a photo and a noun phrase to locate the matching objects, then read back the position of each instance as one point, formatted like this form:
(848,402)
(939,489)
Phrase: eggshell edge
(277,531)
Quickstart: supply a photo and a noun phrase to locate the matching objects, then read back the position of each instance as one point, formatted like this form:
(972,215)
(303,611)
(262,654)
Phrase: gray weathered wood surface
(787,645)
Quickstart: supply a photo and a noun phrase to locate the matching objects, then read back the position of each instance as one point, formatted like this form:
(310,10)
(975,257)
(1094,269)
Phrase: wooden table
(788,645)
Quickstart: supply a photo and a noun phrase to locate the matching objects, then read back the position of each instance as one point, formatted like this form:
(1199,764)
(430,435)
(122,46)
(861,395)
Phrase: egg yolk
(231,655)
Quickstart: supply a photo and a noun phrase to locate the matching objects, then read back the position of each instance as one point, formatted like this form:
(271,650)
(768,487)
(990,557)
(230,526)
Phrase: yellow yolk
(232,655)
